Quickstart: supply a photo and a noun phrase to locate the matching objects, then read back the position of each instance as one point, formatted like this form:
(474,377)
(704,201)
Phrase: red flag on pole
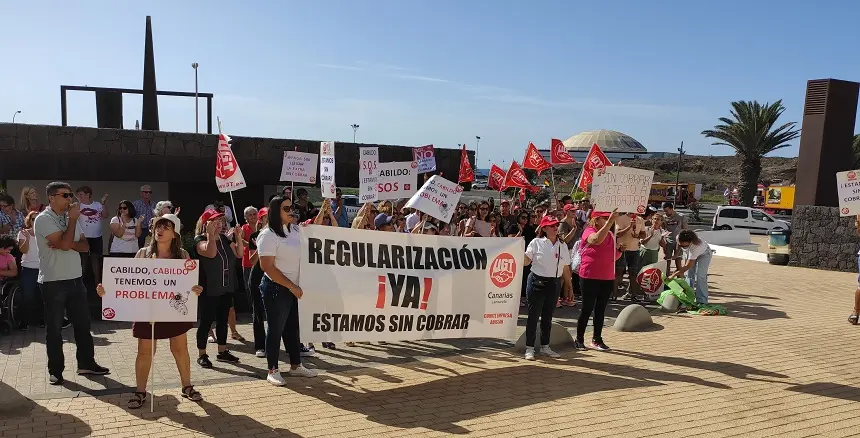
(497,178)
(517,178)
(558,154)
(466,172)
(596,159)
(534,160)
(228,176)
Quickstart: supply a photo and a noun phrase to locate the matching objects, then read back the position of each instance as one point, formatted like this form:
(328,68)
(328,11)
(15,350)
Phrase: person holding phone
(598,254)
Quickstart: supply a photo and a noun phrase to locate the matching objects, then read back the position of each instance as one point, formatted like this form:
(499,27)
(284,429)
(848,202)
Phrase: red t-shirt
(246,254)
(598,261)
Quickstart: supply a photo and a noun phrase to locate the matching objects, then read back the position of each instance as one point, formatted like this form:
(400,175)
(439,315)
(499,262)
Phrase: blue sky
(414,72)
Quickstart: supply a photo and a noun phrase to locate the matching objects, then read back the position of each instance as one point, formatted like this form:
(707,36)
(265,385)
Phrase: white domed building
(616,145)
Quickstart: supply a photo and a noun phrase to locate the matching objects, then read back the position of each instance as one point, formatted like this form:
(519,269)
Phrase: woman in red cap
(218,257)
(550,260)
(597,275)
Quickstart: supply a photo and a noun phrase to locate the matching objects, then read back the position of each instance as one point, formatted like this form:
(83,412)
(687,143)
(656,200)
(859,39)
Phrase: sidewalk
(777,365)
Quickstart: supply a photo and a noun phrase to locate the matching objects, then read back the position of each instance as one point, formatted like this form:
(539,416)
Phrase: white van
(730,217)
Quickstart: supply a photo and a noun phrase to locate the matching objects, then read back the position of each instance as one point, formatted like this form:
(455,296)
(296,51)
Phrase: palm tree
(751,132)
(856,148)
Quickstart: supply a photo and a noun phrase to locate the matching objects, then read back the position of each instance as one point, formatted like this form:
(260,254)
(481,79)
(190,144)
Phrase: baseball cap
(568,207)
(505,201)
(548,221)
(210,214)
(600,214)
(172,218)
(262,212)
(381,220)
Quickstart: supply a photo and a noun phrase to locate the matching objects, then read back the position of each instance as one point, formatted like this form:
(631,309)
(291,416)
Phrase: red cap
(600,214)
(263,212)
(568,207)
(548,221)
(504,201)
(209,215)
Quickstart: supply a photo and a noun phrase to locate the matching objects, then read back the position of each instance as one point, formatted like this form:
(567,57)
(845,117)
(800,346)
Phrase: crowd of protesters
(573,253)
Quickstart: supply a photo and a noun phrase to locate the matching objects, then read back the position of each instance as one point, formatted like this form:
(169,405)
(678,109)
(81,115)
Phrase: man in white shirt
(92,214)
(629,228)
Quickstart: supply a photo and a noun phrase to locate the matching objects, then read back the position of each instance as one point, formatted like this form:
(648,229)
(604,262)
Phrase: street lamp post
(13,115)
(354,128)
(194,65)
(678,175)
(477,146)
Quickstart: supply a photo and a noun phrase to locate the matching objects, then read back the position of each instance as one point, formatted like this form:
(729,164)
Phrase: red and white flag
(558,154)
(228,176)
(517,178)
(466,172)
(596,159)
(497,178)
(534,160)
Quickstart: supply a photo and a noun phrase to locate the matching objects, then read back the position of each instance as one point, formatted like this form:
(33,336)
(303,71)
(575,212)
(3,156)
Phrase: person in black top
(302,206)
(256,300)
(524,227)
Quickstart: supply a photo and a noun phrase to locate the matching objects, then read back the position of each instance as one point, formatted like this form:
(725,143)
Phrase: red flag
(558,154)
(534,160)
(466,173)
(497,178)
(596,159)
(517,178)
(228,176)
(522,196)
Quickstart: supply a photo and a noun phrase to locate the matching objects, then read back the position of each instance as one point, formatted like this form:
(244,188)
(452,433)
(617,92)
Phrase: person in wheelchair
(8,265)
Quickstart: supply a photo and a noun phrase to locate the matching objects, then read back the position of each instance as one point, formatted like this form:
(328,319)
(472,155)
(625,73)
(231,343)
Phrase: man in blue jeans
(61,240)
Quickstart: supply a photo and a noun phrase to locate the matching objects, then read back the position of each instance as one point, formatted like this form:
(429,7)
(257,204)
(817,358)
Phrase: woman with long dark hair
(696,260)
(125,228)
(166,244)
(477,225)
(549,259)
(279,248)
(523,228)
(596,275)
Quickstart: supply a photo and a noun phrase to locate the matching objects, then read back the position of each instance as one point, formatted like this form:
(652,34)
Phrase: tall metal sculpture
(149,119)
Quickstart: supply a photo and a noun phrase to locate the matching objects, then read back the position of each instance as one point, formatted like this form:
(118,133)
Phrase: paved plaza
(779,364)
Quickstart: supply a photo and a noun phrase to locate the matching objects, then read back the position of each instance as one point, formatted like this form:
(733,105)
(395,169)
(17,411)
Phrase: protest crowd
(575,255)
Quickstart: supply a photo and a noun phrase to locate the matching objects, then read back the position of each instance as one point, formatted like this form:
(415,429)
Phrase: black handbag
(540,284)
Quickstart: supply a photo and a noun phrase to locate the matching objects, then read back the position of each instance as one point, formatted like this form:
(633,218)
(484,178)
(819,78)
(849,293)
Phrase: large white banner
(624,188)
(362,285)
(848,189)
(300,167)
(149,290)
(327,185)
(368,174)
(438,197)
(397,180)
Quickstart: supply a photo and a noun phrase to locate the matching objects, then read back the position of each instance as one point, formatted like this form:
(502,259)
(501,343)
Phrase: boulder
(559,336)
(633,318)
(670,304)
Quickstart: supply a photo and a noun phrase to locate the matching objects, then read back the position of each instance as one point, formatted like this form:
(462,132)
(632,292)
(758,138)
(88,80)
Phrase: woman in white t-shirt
(29,274)
(653,241)
(279,249)
(697,259)
(125,228)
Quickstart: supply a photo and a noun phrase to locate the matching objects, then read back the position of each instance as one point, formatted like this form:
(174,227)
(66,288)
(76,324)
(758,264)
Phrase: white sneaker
(546,351)
(301,371)
(275,378)
(260,353)
(530,353)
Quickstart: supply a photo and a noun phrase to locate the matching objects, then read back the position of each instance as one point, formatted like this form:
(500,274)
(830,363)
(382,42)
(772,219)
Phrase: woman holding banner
(279,249)
(550,261)
(596,275)
(166,244)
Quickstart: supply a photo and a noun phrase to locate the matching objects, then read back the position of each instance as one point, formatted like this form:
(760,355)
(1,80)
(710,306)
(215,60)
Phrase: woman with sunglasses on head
(166,243)
(596,275)
(549,259)
(279,248)
(218,257)
(125,229)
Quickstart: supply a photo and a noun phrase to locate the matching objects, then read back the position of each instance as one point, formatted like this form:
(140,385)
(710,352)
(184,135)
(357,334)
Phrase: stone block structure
(821,239)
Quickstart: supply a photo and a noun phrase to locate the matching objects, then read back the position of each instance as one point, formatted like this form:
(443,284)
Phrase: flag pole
(554,194)
(151,368)
(232,201)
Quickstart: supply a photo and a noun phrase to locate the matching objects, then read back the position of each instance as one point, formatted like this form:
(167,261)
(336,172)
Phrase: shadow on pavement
(737,371)
(826,389)
(16,409)
(754,311)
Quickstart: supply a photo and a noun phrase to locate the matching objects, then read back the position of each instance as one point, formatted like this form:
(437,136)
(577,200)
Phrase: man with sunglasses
(61,239)
(145,207)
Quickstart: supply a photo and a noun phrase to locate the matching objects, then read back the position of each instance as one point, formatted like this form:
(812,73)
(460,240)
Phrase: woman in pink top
(598,254)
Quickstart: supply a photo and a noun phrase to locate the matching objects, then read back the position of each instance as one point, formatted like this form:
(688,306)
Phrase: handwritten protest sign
(624,188)
(400,286)
(848,189)
(425,157)
(397,180)
(149,290)
(438,197)
(300,167)
(368,175)
(327,185)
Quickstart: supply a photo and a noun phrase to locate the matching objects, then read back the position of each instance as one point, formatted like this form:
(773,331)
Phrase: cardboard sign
(368,174)
(327,185)
(149,290)
(401,286)
(425,157)
(848,189)
(300,167)
(624,188)
(438,197)
(397,180)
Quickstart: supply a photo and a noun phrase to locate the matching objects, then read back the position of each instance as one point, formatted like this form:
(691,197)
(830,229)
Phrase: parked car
(730,217)
(479,185)
(350,202)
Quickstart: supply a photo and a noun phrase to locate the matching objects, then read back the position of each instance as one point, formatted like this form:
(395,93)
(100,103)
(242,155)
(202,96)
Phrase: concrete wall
(821,239)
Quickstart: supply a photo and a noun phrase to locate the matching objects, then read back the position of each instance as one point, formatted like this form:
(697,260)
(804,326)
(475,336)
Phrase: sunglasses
(484,208)
(4,205)
(146,191)
(287,208)
(66,195)
(123,208)
(534,216)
